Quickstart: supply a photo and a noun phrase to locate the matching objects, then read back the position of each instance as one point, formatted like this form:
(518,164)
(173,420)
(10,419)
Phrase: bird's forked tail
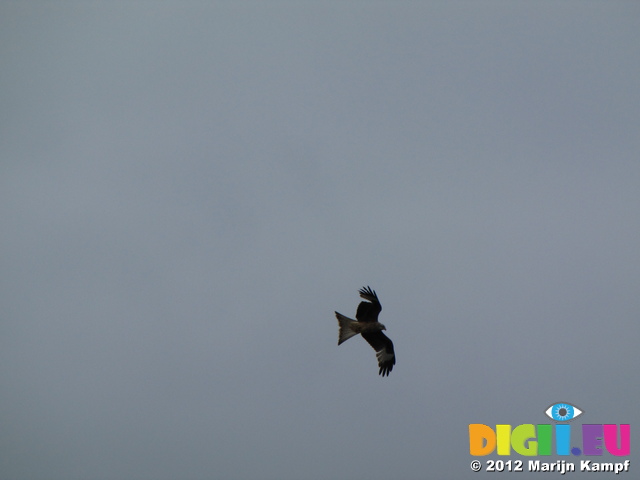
(345,331)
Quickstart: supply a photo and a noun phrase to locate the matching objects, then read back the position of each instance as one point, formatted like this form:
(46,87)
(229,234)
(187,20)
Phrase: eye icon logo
(563,412)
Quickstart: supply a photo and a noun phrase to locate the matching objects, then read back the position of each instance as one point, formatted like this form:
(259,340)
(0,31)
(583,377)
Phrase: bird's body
(350,328)
(368,326)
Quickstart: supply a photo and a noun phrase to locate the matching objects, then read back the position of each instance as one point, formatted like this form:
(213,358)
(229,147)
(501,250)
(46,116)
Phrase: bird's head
(382,327)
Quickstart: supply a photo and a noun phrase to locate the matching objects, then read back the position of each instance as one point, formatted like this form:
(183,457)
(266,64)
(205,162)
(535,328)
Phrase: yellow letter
(503,433)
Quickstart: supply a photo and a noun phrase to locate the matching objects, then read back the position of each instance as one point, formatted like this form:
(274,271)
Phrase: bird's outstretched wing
(368,311)
(384,351)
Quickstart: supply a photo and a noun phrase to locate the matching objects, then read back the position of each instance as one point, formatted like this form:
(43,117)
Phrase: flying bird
(368,326)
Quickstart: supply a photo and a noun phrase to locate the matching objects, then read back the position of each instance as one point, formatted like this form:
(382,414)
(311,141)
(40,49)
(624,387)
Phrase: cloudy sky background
(188,190)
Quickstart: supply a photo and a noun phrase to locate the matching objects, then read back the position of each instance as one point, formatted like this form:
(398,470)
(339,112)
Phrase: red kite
(368,326)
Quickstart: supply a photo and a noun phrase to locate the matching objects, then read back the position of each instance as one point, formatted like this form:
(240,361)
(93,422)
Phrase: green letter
(522,435)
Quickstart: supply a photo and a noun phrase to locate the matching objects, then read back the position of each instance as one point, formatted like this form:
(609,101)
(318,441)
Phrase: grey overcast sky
(188,190)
